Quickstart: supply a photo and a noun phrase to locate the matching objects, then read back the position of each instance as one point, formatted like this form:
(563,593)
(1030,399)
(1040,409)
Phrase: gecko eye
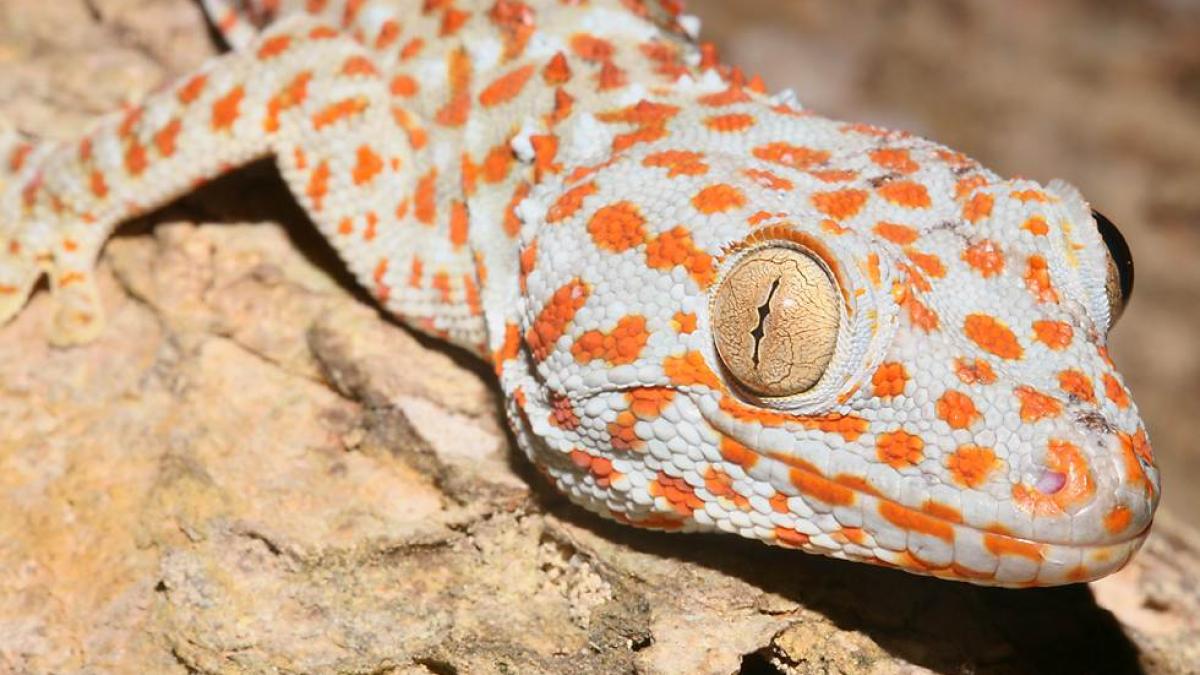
(1119,285)
(775,319)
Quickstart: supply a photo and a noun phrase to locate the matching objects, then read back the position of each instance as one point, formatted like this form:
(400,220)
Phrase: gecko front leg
(302,92)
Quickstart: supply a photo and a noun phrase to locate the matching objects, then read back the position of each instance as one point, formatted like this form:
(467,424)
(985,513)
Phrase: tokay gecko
(709,308)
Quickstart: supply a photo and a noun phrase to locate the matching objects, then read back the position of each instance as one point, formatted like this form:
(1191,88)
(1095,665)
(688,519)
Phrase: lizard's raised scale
(709,308)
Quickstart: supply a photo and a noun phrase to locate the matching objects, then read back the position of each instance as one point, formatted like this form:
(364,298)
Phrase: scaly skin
(561,187)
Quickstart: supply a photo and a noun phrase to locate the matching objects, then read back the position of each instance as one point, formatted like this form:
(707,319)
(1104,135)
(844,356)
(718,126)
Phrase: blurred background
(1102,93)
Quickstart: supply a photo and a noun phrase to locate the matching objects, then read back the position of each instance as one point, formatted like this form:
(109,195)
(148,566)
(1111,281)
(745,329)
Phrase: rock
(253,470)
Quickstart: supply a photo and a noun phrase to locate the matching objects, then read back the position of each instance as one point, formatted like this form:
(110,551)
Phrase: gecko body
(709,308)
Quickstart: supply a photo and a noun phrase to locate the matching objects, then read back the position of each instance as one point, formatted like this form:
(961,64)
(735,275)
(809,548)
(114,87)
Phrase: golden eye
(775,320)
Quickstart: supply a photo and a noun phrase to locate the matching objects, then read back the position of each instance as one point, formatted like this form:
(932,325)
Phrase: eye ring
(776,318)
(1120,265)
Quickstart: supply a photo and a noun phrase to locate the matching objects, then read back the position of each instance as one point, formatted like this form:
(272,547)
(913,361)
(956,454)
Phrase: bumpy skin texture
(561,186)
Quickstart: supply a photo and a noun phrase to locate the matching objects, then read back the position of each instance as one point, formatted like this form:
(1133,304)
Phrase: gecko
(709,308)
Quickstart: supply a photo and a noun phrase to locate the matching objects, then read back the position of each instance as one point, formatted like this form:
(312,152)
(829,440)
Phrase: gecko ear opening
(775,321)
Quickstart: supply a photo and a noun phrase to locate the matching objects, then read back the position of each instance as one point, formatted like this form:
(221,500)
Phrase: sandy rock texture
(254,471)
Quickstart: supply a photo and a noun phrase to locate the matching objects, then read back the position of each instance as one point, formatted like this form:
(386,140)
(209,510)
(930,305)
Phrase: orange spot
(999,544)
(966,186)
(192,89)
(1064,458)
(569,202)
(1115,392)
(979,207)
(424,201)
(358,65)
(889,379)
(834,175)
(1030,196)
(648,403)
(684,323)
(769,180)
(98,185)
(554,318)
(1037,280)
(736,453)
(786,536)
(404,86)
(895,160)
(1056,335)
(1037,225)
(388,33)
(720,484)
(974,372)
(794,156)
(458,224)
(455,112)
(557,71)
(985,257)
(452,21)
(915,521)
(1117,520)
(591,48)
(919,314)
(906,193)
(611,76)
(290,96)
(380,270)
(496,165)
(417,273)
(318,185)
(690,369)
(562,415)
(681,496)
(929,263)
(620,346)
(895,233)
(676,248)
(1077,385)
(718,198)
(731,123)
(841,204)
(411,49)
(511,346)
(814,485)
(943,511)
(165,139)
(957,409)
(1035,405)
(512,223)
(970,465)
(506,87)
(899,448)
(135,159)
(992,336)
(225,109)
(872,267)
(678,162)
(367,165)
(340,110)
(441,283)
(617,227)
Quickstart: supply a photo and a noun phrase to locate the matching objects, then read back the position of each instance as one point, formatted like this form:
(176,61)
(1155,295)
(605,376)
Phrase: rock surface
(254,471)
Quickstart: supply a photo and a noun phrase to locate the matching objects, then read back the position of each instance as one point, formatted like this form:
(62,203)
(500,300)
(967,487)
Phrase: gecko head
(877,351)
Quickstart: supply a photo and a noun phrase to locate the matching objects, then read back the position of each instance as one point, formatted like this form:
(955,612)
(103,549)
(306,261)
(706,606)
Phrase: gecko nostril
(1050,482)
